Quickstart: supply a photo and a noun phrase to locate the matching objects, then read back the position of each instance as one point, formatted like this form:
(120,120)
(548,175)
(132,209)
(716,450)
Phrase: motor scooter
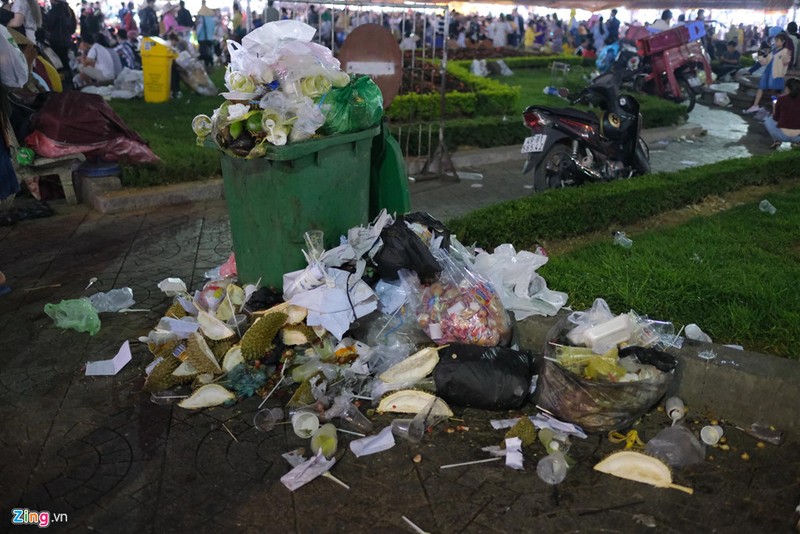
(568,146)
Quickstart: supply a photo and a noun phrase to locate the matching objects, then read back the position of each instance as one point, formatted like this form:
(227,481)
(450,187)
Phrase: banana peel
(414,368)
(639,467)
(413,401)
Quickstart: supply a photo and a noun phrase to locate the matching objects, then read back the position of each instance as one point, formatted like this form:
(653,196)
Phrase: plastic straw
(414,527)
(471,463)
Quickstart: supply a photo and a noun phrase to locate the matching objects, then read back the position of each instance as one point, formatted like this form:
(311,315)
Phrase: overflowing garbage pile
(403,319)
(284,88)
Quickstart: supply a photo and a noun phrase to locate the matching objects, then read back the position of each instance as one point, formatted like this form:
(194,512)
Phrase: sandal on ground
(775,145)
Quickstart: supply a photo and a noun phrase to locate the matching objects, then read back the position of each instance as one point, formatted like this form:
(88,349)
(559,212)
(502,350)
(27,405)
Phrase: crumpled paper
(332,302)
(306,471)
(383,441)
(521,289)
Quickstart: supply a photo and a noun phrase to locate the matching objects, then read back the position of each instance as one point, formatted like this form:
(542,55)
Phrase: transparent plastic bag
(352,108)
(78,314)
(596,406)
(113,301)
(676,446)
(461,306)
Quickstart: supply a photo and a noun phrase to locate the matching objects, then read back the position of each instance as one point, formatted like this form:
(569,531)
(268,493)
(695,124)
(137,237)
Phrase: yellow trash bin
(157,58)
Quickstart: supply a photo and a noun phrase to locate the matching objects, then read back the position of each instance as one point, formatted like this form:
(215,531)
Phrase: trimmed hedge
(562,213)
(489,97)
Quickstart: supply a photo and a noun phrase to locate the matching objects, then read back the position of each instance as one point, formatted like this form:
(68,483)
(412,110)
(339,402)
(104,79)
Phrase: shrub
(568,212)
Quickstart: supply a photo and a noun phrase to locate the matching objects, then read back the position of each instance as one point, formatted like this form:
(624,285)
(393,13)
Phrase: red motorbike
(667,63)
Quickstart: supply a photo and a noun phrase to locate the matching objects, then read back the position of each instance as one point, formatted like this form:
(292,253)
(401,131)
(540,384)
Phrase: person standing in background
(612,26)
(148,20)
(184,17)
(60,24)
(27,17)
(237,21)
(129,22)
(791,31)
(205,26)
(270,13)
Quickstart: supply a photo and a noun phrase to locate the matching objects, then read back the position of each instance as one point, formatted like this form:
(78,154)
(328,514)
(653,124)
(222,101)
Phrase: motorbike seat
(572,113)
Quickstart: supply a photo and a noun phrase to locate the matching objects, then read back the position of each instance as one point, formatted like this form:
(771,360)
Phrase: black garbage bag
(434,225)
(658,359)
(403,249)
(492,378)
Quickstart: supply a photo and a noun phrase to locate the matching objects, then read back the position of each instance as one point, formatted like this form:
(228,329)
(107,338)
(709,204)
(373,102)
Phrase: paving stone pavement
(98,450)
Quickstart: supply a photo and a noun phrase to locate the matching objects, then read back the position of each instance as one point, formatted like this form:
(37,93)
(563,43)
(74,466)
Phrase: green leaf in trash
(236,129)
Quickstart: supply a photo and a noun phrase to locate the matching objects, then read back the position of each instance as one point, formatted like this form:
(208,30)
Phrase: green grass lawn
(167,128)
(735,274)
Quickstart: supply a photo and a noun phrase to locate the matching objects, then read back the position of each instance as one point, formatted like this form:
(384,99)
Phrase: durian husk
(213,328)
(639,467)
(207,396)
(412,401)
(201,380)
(164,349)
(298,334)
(414,368)
(232,358)
(221,346)
(199,354)
(175,311)
(185,373)
(160,377)
(259,337)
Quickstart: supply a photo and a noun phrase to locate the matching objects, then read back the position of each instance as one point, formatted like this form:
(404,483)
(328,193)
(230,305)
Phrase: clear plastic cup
(305,424)
(409,429)
(325,440)
(711,434)
(353,419)
(266,419)
(552,469)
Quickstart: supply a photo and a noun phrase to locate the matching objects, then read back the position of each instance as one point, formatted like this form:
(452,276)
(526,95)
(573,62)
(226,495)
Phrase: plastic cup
(305,424)
(552,469)
(675,408)
(353,419)
(266,419)
(711,434)
(325,440)
(409,429)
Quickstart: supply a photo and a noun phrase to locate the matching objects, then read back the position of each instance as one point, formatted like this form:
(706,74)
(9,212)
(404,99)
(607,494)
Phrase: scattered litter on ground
(113,366)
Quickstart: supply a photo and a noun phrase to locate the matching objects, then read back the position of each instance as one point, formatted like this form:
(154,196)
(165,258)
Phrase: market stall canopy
(602,5)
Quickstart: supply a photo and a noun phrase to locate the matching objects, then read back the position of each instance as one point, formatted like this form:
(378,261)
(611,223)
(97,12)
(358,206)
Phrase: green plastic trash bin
(319,184)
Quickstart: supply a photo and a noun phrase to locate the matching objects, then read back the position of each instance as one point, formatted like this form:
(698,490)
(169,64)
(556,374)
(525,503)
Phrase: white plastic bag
(514,277)
(722,100)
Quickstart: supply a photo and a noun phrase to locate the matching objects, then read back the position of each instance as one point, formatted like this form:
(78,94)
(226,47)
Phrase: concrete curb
(153,197)
(739,386)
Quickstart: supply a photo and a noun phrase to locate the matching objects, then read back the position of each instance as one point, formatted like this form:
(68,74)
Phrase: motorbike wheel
(687,94)
(641,160)
(555,160)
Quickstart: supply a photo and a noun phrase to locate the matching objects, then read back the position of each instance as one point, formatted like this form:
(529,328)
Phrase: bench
(63,166)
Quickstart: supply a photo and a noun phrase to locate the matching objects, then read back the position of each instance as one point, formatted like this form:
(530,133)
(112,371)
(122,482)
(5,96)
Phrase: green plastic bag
(354,107)
(78,314)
